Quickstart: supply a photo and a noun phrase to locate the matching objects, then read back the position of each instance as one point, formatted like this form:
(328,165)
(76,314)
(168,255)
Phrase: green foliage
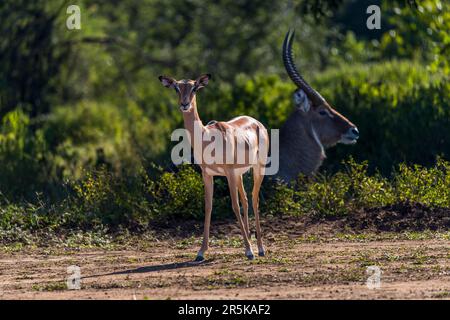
(87,135)
(178,195)
(283,200)
(421,30)
(368,191)
(32,54)
(352,189)
(401,109)
(104,199)
(416,30)
(396,106)
(22,155)
(430,186)
(265,98)
(83,116)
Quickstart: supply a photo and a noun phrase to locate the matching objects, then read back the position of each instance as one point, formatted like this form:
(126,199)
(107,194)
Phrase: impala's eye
(177,89)
(322,112)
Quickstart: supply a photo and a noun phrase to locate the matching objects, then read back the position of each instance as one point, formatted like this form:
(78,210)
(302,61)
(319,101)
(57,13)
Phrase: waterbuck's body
(304,154)
(236,147)
(311,128)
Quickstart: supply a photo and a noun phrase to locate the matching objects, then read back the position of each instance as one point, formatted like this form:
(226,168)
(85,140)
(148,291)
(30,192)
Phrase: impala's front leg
(209,189)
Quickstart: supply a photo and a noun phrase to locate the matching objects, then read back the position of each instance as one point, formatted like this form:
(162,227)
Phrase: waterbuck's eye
(177,89)
(322,112)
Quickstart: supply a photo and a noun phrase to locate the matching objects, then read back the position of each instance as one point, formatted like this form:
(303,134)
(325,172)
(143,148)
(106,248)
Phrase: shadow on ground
(155,268)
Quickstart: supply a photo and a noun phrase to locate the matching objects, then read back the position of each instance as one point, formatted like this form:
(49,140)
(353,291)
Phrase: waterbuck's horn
(291,69)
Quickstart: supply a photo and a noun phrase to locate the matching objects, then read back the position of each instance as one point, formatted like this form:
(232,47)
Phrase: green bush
(430,186)
(104,201)
(106,152)
(87,135)
(101,198)
(181,195)
(178,195)
(401,109)
(22,156)
(354,188)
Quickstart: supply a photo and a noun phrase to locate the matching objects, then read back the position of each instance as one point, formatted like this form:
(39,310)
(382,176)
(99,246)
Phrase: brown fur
(300,151)
(245,128)
(311,128)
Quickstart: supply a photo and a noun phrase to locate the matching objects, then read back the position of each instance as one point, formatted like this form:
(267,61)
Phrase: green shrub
(354,188)
(429,186)
(367,191)
(401,109)
(102,198)
(87,135)
(105,201)
(178,195)
(281,199)
(22,156)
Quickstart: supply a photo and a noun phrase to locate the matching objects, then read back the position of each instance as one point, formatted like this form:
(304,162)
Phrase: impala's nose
(185,106)
(355,132)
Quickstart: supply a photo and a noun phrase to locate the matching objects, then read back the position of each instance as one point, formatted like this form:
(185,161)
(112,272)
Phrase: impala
(227,141)
(311,128)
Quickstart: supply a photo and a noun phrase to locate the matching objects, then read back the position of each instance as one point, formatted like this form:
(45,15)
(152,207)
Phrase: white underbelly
(220,171)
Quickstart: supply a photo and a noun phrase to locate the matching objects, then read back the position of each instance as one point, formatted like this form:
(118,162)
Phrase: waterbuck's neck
(300,148)
(191,120)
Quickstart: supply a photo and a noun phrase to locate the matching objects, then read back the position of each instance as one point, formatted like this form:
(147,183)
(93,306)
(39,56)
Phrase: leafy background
(85,124)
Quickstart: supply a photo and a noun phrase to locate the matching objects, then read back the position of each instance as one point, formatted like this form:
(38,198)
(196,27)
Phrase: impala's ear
(202,81)
(167,81)
(301,100)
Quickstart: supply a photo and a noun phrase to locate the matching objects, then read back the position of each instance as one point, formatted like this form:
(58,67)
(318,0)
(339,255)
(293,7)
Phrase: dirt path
(294,268)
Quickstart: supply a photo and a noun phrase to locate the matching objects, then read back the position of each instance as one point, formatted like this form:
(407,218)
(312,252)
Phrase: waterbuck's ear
(301,100)
(167,81)
(202,81)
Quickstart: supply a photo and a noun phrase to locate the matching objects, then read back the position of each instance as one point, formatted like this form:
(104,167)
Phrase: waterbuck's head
(186,89)
(326,124)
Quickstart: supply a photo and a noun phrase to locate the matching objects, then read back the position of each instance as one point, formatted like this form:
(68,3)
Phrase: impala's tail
(263,146)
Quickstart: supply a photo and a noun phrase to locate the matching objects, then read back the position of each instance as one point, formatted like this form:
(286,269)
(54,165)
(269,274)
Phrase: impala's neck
(192,119)
(300,148)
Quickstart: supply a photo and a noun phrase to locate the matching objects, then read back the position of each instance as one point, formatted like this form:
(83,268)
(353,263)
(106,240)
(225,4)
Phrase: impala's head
(327,124)
(186,89)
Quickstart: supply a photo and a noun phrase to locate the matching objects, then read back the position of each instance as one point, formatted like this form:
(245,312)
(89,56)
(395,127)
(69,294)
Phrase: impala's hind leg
(233,185)
(244,202)
(258,176)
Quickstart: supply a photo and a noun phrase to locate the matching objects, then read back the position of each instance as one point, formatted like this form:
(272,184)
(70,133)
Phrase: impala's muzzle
(185,106)
(351,136)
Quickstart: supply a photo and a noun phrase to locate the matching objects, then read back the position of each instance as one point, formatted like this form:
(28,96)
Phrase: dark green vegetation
(85,126)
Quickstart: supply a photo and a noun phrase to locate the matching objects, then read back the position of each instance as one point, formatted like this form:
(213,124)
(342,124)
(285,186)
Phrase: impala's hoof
(249,254)
(261,253)
(199,258)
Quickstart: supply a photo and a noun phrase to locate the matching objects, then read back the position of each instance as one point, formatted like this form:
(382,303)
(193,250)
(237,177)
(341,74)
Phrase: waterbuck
(311,128)
(238,145)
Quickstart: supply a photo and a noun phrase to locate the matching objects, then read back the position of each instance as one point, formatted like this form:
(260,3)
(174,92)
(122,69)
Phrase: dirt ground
(308,262)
